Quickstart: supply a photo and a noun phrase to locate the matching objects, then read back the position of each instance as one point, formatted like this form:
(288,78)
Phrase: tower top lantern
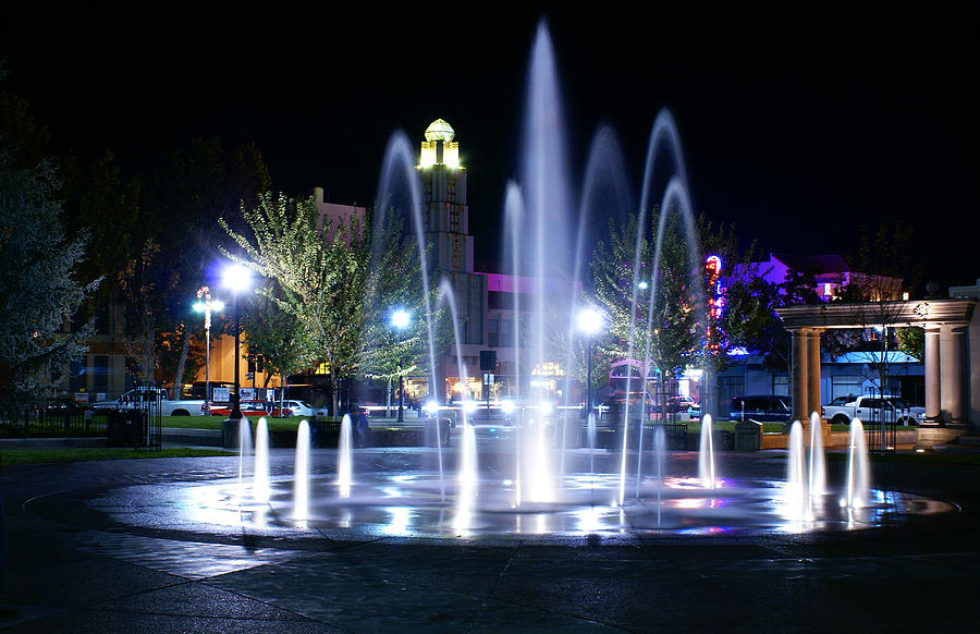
(439,147)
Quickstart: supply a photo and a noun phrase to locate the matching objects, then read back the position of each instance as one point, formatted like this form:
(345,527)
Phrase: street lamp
(399,321)
(237,279)
(590,323)
(205,304)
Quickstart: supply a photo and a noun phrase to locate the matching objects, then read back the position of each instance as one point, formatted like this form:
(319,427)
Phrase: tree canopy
(39,293)
(328,279)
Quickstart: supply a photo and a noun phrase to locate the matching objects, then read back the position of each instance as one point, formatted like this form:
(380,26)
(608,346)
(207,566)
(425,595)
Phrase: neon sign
(715,292)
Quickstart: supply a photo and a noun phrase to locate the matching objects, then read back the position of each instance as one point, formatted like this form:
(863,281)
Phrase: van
(762,408)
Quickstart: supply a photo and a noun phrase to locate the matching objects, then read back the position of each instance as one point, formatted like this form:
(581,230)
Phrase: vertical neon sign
(715,292)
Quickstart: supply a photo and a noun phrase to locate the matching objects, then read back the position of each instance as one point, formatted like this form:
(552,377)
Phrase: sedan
(249,408)
(293,408)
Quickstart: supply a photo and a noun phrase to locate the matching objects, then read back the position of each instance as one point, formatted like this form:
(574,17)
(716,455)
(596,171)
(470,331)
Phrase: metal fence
(54,423)
(882,435)
(140,428)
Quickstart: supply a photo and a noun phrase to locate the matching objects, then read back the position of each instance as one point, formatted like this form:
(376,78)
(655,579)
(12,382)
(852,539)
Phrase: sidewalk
(71,568)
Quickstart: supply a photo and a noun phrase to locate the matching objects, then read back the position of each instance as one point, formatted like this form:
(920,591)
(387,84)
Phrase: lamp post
(400,320)
(589,322)
(236,278)
(205,304)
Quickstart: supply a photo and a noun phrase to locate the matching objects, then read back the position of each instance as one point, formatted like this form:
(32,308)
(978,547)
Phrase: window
(506,332)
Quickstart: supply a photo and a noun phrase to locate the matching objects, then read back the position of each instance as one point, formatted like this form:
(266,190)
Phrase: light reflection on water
(411,506)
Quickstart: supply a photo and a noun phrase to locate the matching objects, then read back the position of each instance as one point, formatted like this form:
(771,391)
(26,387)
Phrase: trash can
(126,429)
(569,432)
(748,436)
(431,425)
(230,428)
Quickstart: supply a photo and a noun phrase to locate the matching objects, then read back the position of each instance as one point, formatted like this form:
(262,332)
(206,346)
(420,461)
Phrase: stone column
(800,382)
(813,400)
(952,343)
(933,392)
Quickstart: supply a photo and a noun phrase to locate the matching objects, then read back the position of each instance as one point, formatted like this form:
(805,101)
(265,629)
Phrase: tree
(197,186)
(878,278)
(673,333)
(329,281)
(39,293)
(750,320)
(277,335)
(39,290)
(144,284)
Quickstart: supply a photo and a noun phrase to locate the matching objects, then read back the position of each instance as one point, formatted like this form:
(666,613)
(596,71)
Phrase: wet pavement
(120,547)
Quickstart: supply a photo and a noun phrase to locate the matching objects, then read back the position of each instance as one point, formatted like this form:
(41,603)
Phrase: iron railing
(54,423)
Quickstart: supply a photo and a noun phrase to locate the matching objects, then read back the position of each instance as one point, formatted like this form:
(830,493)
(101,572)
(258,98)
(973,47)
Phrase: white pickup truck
(843,409)
(150,397)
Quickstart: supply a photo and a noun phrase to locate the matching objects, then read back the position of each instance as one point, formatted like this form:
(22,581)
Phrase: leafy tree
(144,284)
(564,337)
(106,205)
(39,290)
(18,130)
(750,320)
(277,335)
(39,293)
(880,269)
(186,197)
(912,341)
(329,281)
(674,335)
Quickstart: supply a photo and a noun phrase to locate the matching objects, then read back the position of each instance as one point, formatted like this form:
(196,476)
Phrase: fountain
(798,505)
(301,475)
(526,482)
(260,478)
(818,470)
(467,479)
(244,451)
(858,491)
(706,454)
(345,460)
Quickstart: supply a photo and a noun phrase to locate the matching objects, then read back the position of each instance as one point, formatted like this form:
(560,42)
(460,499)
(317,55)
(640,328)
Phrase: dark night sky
(797,121)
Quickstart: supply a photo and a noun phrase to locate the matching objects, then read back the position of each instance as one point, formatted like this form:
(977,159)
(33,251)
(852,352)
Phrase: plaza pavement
(71,568)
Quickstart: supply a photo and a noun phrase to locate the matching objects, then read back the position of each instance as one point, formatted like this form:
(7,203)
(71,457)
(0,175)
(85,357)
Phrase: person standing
(362,429)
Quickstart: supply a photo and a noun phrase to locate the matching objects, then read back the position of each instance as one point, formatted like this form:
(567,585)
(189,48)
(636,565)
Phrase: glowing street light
(237,279)
(399,321)
(205,304)
(589,322)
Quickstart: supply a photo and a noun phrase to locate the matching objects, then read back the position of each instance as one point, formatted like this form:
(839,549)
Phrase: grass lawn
(37,456)
(729,425)
(289,423)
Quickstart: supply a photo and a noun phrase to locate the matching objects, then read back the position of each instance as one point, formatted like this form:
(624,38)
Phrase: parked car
(614,408)
(293,408)
(914,413)
(871,409)
(249,408)
(763,408)
(151,398)
(692,413)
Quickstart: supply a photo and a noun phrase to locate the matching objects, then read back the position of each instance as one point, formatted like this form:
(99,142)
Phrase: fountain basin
(387,503)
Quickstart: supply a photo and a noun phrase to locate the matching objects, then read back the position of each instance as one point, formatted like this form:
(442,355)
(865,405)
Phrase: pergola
(945,321)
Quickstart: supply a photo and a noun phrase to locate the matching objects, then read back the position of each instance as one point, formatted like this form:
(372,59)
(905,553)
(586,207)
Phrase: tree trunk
(335,384)
(178,391)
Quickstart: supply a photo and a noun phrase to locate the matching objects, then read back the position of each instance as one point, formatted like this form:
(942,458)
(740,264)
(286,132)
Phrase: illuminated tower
(445,217)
